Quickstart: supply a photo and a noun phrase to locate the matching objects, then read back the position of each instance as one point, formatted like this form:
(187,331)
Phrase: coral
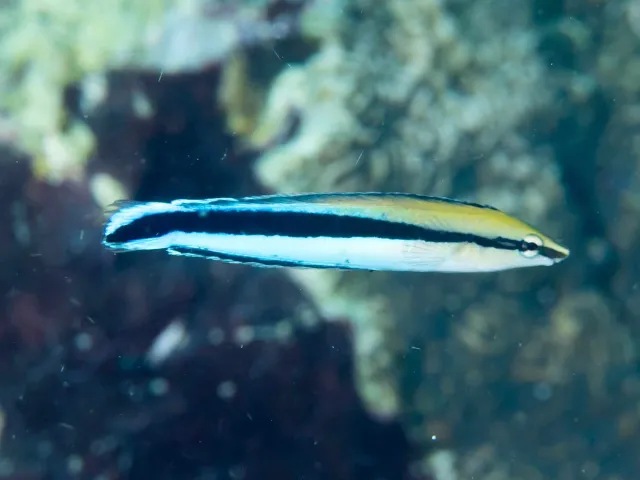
(617,65)
(403,101)
(46,48)
(47,51)
(141,365)
(423,71)
(508,107)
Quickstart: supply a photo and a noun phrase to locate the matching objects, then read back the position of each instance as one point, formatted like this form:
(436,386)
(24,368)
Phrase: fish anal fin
(240,259)
(206,254)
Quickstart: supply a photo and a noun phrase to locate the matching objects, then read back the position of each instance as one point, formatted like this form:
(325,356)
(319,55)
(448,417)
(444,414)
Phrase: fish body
(355,231)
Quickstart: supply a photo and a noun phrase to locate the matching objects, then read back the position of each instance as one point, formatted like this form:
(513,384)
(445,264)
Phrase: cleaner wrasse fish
(349,231)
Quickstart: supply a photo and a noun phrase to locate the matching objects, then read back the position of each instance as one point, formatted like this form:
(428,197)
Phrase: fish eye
(530,246)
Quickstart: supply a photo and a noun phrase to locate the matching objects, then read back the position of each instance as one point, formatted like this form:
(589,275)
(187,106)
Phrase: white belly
(348,253)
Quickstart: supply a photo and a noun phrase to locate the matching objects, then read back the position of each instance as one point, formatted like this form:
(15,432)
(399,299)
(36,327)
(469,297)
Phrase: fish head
(521,245)
(502,242)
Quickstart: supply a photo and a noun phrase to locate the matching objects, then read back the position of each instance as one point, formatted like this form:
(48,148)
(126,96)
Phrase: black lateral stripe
(506,243)
(225,257)
(288,224)
(551,253)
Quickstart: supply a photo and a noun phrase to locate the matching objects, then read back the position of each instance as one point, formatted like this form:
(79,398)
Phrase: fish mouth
(557,254)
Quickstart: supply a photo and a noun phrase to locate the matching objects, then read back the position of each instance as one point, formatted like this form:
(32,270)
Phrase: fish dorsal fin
(360,197)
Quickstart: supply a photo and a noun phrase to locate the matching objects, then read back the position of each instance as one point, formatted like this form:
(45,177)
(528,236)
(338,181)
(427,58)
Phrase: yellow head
(497,241)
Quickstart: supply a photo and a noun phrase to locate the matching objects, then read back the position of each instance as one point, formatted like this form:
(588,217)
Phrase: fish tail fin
(124,213)
(118,206)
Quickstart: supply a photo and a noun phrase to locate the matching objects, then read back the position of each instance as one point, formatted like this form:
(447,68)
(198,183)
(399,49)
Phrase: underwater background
(147,366)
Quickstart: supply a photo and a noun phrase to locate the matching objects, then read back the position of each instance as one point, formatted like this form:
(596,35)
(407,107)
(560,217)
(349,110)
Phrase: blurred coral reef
(147,366)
